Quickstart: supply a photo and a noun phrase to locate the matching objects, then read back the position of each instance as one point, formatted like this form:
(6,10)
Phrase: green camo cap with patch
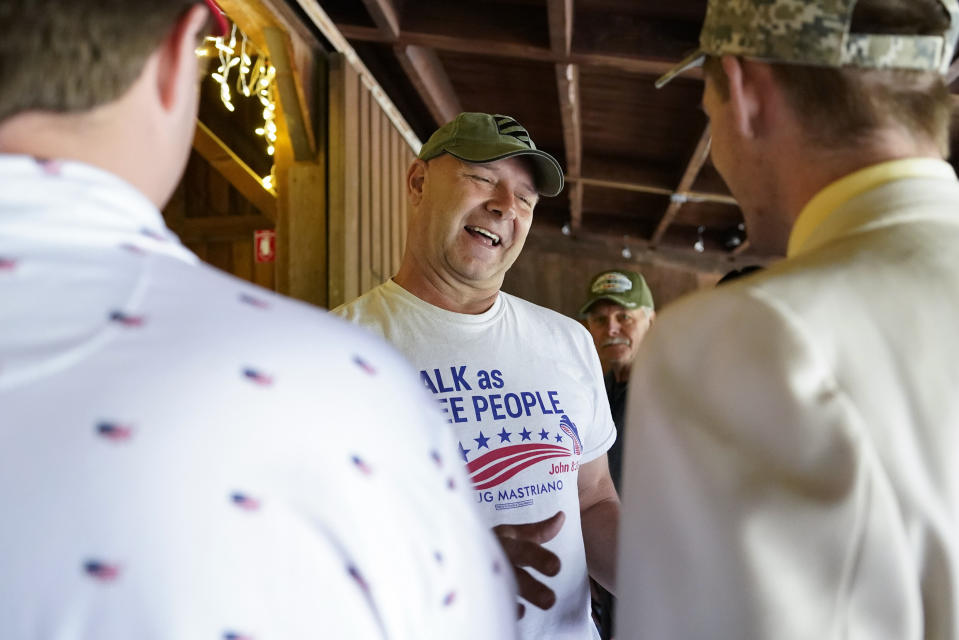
(814,33)
(625,288)
(482,137)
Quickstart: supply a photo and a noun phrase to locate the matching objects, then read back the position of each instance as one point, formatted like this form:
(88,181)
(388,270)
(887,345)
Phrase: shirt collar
(73,202)
(845,189)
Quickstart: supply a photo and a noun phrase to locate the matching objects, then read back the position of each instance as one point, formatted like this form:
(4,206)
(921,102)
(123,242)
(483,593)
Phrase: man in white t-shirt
(521,385)
(184,455)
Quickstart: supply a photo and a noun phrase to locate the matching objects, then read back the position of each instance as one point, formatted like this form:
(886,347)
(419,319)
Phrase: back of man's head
(66,56)
(856,69)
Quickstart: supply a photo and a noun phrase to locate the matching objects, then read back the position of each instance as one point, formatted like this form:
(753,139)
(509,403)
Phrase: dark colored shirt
(616,393)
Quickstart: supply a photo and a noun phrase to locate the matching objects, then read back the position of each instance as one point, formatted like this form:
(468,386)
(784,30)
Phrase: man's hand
(522,544)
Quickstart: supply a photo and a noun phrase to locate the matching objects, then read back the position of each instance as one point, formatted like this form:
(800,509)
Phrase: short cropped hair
(844,107)
(67,56)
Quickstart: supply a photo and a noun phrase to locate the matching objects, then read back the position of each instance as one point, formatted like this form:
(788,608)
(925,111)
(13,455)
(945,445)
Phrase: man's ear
(415,179)
(749,98)
(178,66)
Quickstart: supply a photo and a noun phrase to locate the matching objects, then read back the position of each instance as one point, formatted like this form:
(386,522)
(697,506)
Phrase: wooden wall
(553,275)
(217,223)
(368,159)
(340,217)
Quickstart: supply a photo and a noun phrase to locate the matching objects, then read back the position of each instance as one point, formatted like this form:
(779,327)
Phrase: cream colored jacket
(792,454)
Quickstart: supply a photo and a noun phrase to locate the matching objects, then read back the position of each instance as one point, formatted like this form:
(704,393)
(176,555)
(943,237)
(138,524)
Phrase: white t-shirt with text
(523,393)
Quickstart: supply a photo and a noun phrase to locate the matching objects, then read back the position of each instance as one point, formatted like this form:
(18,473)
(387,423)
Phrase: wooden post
(344,156)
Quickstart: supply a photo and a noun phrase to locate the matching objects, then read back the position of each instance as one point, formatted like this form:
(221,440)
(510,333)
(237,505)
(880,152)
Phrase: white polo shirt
(184,455)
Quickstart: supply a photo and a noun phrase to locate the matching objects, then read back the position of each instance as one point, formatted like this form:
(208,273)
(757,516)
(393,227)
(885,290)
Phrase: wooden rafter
(291,96)
(252,17)
(695,165)
(575,193)
(384,17)
(642,66)
(236,172)
(639,187)
(567,85)
(425,71)
(560,26)
(553,240)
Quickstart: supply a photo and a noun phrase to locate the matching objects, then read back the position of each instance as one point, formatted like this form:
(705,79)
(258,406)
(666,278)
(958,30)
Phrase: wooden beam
(689,196)
(253,17)
(623,186)
(552,240)
(345,170)
(640,66)
(237,173)
(560,26)
(717,198)
(384,17)
(693,167)
(305,233)
(575,191)
(290,94)
(741,249)
(567,84)
(425,71)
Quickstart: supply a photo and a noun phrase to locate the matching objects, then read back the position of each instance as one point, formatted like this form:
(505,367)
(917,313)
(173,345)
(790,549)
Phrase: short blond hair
(68,56)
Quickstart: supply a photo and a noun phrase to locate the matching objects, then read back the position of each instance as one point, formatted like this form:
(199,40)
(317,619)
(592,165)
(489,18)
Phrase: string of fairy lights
(254,77)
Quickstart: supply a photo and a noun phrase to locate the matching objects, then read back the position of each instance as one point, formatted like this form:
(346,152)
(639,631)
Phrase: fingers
(522,544)
(533,591)
(538,532)
(529,554)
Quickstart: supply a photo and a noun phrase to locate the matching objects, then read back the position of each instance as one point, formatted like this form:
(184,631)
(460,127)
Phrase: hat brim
(693,60)
(549,175)
(612,297)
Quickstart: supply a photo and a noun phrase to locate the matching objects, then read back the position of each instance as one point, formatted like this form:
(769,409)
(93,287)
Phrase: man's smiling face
(471,220)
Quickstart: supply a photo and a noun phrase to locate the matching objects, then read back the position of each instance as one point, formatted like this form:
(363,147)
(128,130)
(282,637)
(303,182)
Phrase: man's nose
(502,202)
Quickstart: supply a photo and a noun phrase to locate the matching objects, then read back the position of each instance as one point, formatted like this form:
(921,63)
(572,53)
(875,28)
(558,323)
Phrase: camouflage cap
(625,288)
(814,33)
(481,137)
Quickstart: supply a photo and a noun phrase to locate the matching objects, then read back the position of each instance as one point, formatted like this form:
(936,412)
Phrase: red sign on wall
(264,245)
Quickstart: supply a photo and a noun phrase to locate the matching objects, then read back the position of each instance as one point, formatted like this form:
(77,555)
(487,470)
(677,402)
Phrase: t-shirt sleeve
(602,430)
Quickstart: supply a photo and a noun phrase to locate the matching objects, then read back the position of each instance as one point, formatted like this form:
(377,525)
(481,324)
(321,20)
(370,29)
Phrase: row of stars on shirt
(504,436)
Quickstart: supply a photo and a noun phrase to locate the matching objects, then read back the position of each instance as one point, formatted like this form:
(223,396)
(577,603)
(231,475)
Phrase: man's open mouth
(484,233)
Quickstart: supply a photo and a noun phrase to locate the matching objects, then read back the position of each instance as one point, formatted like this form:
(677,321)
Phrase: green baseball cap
(813,33)
(626,288)
(481,137)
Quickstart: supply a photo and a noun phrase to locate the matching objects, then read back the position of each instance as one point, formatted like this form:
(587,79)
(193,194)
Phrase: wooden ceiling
(579,75)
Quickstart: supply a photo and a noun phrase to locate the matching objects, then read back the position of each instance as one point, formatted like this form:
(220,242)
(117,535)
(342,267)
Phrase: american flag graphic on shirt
(506,459)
